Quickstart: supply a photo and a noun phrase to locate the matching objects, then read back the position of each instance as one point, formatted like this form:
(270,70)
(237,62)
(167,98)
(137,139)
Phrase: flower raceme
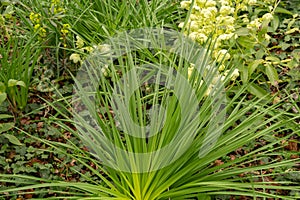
(35,18)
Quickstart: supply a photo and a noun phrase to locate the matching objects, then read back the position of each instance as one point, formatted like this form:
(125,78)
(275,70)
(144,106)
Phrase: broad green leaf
(256,90)
(260,54)
(13,82)
(271,73)
(12,139)
(242,32)
(253,65)
(6,126)
(244,74)
(283,11)
(275,22)
(284,45)
(246,42)
(3,96)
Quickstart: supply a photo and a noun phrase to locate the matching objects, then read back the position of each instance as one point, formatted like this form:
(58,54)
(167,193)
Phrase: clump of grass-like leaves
(154,129)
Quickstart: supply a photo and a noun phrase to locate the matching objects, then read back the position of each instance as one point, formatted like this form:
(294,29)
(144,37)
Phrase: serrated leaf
(256,90)
(12,139)
(6,126)
(13,82)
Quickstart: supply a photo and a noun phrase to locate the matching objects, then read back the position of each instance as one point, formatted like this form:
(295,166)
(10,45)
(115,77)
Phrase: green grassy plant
(189,176)
(224,121)
(94,21)
(19,57)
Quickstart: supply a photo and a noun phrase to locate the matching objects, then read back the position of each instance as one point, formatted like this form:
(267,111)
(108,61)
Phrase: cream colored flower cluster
(220,19)
(211,17)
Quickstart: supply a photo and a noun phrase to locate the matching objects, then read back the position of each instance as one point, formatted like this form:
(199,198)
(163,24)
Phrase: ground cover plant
(125,100)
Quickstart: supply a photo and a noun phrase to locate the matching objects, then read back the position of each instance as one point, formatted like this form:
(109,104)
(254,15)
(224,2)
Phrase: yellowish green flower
(35,18)
(79,42)
(105,70)
(65,29)
(190,70)
(2,20)
(88,49)
(36,27)
(56,2)
(234,74)
(210,3)
(221,67)
(255,24)
(222,55)
(42,32)
(75,57)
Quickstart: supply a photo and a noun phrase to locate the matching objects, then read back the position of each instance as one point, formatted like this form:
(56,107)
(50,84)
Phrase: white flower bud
(224,2)
(251,2)
(210,3)
(267,17)
(267,37)
(234,74)
(226,10)
(223,55)
(75,57)
(79,42)
(181,25)
(185,4)
(190,71)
